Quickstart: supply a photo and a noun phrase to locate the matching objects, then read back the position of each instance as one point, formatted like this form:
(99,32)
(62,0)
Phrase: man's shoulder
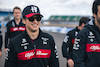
(71,31)
(84,30)
(10,22)
(47,35)
(17,37)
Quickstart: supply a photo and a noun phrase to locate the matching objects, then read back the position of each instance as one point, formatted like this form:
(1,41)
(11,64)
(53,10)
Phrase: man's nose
(35,20)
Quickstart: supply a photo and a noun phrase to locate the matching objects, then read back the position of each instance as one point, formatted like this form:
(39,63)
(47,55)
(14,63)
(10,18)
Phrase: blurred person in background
(32,48)
(86,48)
(1,41)
(68,42)
(14,27)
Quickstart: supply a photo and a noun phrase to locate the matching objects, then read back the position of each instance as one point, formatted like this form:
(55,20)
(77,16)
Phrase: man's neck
(33,35)
(17,21)
(79,27)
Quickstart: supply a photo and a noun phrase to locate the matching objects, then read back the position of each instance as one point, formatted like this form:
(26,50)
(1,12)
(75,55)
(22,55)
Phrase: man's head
(17,12)
(32,17)
(83,21)
(96,10)
(95,6)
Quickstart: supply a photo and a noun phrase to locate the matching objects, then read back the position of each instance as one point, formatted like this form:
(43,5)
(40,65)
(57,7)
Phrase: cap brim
(32,14)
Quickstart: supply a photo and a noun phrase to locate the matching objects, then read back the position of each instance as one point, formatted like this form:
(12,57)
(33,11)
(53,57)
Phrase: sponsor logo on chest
(24,43)
(14,29)
(76,33)
(91,36)
(76,44)
(45,40)
(92,47)
(38,53)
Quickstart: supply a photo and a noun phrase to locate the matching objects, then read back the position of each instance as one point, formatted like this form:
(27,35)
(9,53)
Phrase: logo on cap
(34,9)
(30,11)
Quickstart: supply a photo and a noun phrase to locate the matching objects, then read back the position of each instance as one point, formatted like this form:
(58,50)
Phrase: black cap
(30,11)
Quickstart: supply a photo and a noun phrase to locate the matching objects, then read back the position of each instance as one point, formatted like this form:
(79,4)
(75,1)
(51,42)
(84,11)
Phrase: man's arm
(79,50)
(1,40)
(53,61)
(65,48)
(7,34)
(0,45)
(11,56)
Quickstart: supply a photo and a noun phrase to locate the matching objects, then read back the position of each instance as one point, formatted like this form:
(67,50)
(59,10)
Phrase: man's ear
(83,24)
(94,14)
(23,21)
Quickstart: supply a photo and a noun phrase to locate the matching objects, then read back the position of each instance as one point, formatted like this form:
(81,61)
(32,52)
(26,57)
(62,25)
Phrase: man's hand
(70,63)
(0,54)
(5,50)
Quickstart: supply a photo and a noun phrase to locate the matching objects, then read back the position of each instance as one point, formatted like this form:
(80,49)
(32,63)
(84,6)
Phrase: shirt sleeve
(65,45)
(53,61)
(1,40)
(7,34)
(79,48)
(11,57)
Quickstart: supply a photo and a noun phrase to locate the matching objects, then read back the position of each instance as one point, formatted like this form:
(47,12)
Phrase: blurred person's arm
(53,60)
(11,56)
(1,45)
(7,34)
(79,50)
(67,43)
(1,39)
(1,42)
(65,46)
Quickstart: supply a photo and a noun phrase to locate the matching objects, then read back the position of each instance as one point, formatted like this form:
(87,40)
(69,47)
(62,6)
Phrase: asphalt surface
(58,37)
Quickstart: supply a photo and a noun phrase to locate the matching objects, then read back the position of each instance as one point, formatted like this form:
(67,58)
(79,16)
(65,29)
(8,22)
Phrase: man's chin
(34,30)
(17,18)
(98,22)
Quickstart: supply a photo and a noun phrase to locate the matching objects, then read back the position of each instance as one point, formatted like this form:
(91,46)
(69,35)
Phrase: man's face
(33,23)
(17,14)
(98,15)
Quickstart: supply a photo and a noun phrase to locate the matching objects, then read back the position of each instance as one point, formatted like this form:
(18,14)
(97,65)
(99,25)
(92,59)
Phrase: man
(14,27)
(86,48)
(32,48)
(1,41)
(67,45)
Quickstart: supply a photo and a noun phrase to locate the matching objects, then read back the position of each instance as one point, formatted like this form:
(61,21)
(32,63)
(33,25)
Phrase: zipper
(35,54)
(18,27)
(35,50)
